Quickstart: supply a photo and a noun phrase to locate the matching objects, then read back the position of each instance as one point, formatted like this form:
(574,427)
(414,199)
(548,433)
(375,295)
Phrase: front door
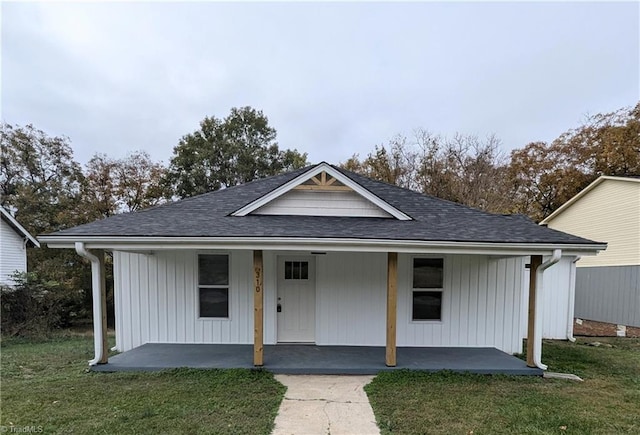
(296,300)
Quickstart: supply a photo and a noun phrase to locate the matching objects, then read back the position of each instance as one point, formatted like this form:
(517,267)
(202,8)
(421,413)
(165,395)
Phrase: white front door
(296,300)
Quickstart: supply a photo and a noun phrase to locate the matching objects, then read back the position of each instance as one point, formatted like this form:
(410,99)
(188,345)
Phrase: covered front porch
(311,359)
(363,323)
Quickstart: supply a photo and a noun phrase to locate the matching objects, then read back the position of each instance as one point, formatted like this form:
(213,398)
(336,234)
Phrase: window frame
(213,286)
(413,289)
(300,269)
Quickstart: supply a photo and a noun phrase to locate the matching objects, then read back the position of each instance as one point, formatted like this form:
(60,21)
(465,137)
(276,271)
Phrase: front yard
(46,385)
(607,402)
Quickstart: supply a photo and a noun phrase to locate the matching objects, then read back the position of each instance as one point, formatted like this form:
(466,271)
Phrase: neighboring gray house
(320,256)
(607,286)
(14,240)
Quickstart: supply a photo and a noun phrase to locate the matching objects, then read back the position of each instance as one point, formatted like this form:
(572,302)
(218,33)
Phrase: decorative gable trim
(322,177)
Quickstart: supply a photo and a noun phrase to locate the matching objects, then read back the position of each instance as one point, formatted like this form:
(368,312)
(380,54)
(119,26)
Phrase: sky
(334,79)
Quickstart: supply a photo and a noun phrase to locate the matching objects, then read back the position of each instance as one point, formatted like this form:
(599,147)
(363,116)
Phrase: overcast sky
(333,78)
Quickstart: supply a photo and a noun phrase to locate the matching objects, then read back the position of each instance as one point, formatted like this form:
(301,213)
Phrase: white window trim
(198,286)
(296,279)
(413,289)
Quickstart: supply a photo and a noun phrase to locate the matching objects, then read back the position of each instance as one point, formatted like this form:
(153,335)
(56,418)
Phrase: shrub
(34,307)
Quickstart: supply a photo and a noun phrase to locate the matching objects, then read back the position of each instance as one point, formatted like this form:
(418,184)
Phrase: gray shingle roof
(434,219)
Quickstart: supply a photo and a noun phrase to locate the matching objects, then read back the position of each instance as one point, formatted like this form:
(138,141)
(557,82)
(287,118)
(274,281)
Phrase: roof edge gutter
(337,244)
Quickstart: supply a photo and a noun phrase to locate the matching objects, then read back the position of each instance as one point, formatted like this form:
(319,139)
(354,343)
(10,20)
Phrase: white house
(14,240)
(324,256)
(607,286)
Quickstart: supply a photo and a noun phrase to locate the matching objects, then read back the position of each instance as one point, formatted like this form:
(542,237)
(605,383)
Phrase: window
(427,274)
(213,285)
(296,270)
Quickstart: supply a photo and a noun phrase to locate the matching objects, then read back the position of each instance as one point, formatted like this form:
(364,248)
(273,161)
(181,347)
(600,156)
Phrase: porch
(310,359)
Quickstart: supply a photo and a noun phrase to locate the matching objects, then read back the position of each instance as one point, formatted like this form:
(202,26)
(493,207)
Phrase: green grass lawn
(607,402)
(47,385)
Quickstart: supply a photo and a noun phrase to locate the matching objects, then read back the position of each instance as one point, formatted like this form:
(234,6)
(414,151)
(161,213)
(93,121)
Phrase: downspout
(572,299)
(97,302)
(537,342)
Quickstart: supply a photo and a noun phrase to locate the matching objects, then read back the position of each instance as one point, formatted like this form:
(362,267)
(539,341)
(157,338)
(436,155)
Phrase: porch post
(258,302)
(392,296)
(536,261)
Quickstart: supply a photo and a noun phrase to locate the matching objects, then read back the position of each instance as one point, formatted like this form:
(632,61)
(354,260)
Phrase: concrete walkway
(322,405)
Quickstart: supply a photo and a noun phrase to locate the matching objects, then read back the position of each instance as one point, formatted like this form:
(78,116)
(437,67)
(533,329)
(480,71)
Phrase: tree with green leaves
(225,152)
(42,183)
(39,179)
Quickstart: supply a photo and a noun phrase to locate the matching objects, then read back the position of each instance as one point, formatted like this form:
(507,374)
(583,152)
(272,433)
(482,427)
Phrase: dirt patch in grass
(47,385)
(606,402)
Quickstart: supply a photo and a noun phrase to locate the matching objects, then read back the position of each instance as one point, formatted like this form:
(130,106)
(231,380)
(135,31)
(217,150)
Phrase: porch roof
(311,359)
(210,217)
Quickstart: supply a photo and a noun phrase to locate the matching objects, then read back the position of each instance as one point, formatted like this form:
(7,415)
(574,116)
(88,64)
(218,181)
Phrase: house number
(258,275)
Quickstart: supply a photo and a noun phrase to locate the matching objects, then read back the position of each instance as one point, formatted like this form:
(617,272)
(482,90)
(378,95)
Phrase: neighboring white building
(14,240)
(607,285)
(320,256)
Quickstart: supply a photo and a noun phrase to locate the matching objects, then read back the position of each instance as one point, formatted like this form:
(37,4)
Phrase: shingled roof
(210,216)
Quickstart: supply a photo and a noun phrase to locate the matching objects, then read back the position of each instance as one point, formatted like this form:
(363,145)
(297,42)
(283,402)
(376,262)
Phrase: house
(324,256)
(14,240)
(607,286)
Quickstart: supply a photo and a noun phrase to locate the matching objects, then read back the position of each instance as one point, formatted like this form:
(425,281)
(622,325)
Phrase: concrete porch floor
(316,360)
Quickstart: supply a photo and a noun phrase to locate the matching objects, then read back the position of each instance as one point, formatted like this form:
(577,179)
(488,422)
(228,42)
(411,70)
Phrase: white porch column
(99,292)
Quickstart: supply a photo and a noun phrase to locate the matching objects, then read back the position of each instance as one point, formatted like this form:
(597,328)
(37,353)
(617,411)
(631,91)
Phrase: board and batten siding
(156,301)
(312,203)
(609,294)
(558,282)
(480,305)
(13,253)
(610,213)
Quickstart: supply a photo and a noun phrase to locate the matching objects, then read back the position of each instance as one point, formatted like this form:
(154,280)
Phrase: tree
(40,179)
(463,169)
(227,152)
(124,185)
(544,176)
(541,179)
(43,185)
(100,187)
